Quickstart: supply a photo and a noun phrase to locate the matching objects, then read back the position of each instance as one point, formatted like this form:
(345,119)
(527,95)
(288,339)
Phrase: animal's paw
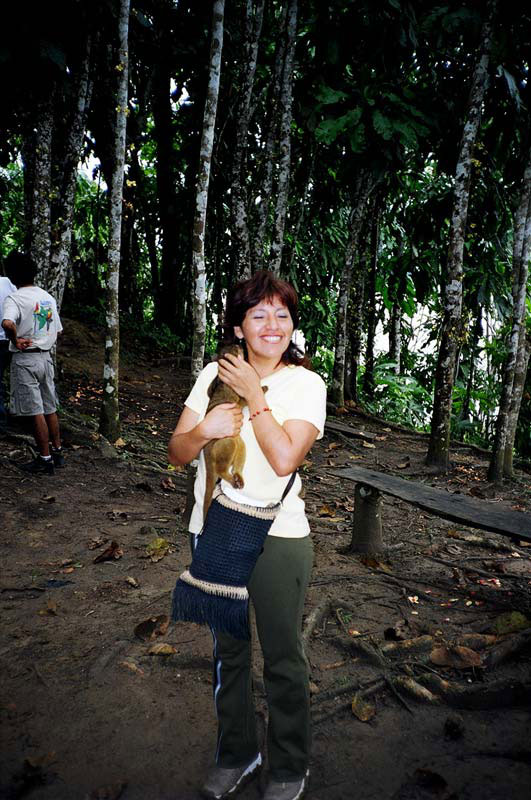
(237,481)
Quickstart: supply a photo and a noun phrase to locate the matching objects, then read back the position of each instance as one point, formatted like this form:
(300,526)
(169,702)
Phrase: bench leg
(367,524)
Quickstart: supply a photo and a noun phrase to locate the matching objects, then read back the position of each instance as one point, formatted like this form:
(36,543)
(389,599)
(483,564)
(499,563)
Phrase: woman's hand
(239,375)
(224,420)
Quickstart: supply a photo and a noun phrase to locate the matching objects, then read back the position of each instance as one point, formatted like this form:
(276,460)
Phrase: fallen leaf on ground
(114,551)
(157,549)
(50,610)
(132,582)
(510,621)
(111,792)
(333,446)
(42,761)
(457,656)
(162,649)
(131,667)
(168,484)
(361,709)
(404,464)
(333,665)
(326,511)
(49,499)
(119,442)
(369,445)
(374,563)
(99,542)
(152,627)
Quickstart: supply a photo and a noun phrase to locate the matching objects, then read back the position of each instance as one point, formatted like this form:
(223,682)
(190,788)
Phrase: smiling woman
(283,414)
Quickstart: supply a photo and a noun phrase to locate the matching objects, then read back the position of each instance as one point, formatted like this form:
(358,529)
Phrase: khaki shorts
(32,384)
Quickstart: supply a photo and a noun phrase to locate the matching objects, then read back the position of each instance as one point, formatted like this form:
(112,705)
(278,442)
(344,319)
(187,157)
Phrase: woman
(278,428)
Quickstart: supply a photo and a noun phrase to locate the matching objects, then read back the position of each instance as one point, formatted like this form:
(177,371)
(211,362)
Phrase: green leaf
(382,125)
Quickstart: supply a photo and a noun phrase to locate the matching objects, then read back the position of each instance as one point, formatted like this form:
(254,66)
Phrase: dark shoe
(39,466)
(222,783)
(288,790)
(57,457)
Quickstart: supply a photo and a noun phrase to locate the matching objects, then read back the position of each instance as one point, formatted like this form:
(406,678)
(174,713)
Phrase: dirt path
(88,711)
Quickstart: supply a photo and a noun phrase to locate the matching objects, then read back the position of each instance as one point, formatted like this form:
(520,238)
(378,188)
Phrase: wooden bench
(370,485)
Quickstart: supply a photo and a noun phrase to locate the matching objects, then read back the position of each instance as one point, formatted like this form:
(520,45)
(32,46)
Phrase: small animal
(224,458)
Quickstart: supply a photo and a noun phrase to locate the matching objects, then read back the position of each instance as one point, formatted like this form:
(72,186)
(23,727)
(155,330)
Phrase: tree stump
(367,523)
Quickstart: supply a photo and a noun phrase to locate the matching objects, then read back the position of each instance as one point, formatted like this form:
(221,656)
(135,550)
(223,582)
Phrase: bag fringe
(221,613)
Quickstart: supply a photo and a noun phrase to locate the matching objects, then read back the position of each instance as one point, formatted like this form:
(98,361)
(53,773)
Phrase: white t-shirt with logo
(6,288)
(34,312)
(292,393)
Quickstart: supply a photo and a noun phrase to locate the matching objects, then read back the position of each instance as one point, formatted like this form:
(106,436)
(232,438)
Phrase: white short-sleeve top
(292,393)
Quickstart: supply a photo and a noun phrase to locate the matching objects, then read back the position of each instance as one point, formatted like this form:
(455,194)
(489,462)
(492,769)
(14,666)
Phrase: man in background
(31,323)
(6,288)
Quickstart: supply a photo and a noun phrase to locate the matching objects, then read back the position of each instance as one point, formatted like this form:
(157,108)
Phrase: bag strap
(289,485)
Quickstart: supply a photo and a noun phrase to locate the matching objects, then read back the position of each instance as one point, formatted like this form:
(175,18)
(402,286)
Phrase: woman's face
(267,329)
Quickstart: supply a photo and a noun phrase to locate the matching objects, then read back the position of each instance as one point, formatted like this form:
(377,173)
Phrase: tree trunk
(395,336)
(66,190)
(284,168)
(505,421)
(372,318)
(364,185)
(302,195)
(520,375)
(253,28)
(37,156)
(263,197)
(198,240)
(472,361)
(203,179)
(438,449)
(357,304)
(163,134)
(110,414)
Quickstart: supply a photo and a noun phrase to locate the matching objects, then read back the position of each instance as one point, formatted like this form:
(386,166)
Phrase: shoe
(222,783)
(287,790)
(39,466)
(57,457)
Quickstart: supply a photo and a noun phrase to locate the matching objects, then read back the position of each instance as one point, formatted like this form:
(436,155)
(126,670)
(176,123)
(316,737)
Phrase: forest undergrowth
(419,656)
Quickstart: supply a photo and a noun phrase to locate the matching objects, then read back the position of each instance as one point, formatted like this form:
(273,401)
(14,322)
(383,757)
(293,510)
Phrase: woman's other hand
(239,375)
(223,420)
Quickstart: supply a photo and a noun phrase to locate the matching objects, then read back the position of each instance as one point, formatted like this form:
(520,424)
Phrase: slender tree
(266,154)
(203,179)
(253,27)
(286,118)
(37,156)
(516,351)
(63,207)
(364,186)
(451,332)
(110,413)
(372,316)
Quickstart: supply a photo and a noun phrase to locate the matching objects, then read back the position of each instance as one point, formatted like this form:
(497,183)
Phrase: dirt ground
(90,709)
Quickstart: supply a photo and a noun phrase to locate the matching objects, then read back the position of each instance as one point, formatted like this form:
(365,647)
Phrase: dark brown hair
(20,268)
(263,285)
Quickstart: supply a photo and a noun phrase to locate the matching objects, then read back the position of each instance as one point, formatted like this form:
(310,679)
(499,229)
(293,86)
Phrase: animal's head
(233,349)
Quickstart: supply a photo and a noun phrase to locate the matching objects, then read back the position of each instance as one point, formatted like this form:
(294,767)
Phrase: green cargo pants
(277,588)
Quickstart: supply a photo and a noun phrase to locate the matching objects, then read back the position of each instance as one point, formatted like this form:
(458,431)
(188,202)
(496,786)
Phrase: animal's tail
(209,486)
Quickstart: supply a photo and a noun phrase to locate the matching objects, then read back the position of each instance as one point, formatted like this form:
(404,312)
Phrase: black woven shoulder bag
(213,590)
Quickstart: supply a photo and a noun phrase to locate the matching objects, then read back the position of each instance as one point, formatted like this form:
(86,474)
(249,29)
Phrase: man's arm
(11,332)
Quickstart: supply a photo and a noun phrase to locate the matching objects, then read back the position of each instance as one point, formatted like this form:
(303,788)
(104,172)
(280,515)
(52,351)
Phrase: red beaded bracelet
(259,412)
